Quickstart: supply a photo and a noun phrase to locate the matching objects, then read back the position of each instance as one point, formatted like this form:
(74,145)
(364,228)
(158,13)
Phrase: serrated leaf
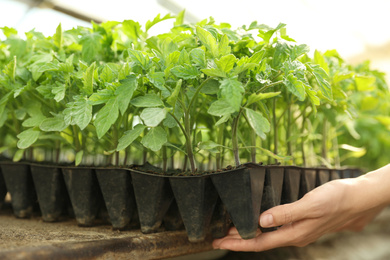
(295,86)
(211,87)
(258,123)
(254,98)
(27,138)
(78,112)
(101,97)
(157,79)
(226,63)
(221,108)
(149,100)
(184,58)
(90,46)
(321,78)
(58,37)
(208,40)
(56,123)
(298,50)
(232,91)
(125,91)
(198,57)
(149,24)
(320,60)
(59,92)
(223,46)
(34,121)
(171,100)
(153,116)
(88,76)
(106,117)
(223,119)
(139,58)
(129,137)
(214,72)
(132,29)
(155,139)
(185,72)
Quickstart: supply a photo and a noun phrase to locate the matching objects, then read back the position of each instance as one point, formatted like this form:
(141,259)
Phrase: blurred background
(359,30)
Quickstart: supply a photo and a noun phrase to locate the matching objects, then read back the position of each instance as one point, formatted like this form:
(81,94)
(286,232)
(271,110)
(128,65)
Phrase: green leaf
(221,108)
(157,79)
(295,86)
(275,156)
(56,123)
(79,157)
(59,92)
(132,29)
(149,100)
(209,145)
(58,37)
(198,57)
(88,79)
(211,87)
(27,138)
(314,100)
(257,57)
(365,83)
(254,98)
(321,78)
(214,72)
(106,117)
(232,91)
(101,97)
(185,72)
(208,40)
(258,123)
(223,119)
(125,91)
(149,24)
(153,116)
(226,63)
(90,46)
(155,139)
(34,121)
(78,112)
(173,97)
(223,46)
(180,18)
(298,50)
(184,58)
(320,60)
(139,58)
(129,137)
(18,155)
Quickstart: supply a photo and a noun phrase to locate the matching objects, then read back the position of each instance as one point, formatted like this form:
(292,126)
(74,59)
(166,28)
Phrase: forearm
(372,190)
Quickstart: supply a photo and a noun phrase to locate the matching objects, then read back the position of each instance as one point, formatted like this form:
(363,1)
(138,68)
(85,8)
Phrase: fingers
(285,214)
(263,241)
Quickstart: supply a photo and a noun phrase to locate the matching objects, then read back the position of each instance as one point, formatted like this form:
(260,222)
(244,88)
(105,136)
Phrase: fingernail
(267,220)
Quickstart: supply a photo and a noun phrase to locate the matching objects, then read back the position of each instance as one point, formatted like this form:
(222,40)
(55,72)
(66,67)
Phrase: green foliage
(199,91)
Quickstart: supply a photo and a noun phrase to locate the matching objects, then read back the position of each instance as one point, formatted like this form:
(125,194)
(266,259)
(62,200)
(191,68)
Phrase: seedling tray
(205,205)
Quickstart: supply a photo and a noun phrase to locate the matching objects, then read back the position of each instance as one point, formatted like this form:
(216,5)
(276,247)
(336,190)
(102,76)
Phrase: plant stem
(324,149)
(165,158)
(275,123)
(253,141)
(219,141)
(270,85)
(235,138)
(302,141)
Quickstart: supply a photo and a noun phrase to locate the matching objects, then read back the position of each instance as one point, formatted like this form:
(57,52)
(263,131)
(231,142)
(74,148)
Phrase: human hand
(334,206)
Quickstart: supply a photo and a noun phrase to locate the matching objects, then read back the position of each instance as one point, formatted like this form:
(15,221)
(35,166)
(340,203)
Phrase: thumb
(283,214)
